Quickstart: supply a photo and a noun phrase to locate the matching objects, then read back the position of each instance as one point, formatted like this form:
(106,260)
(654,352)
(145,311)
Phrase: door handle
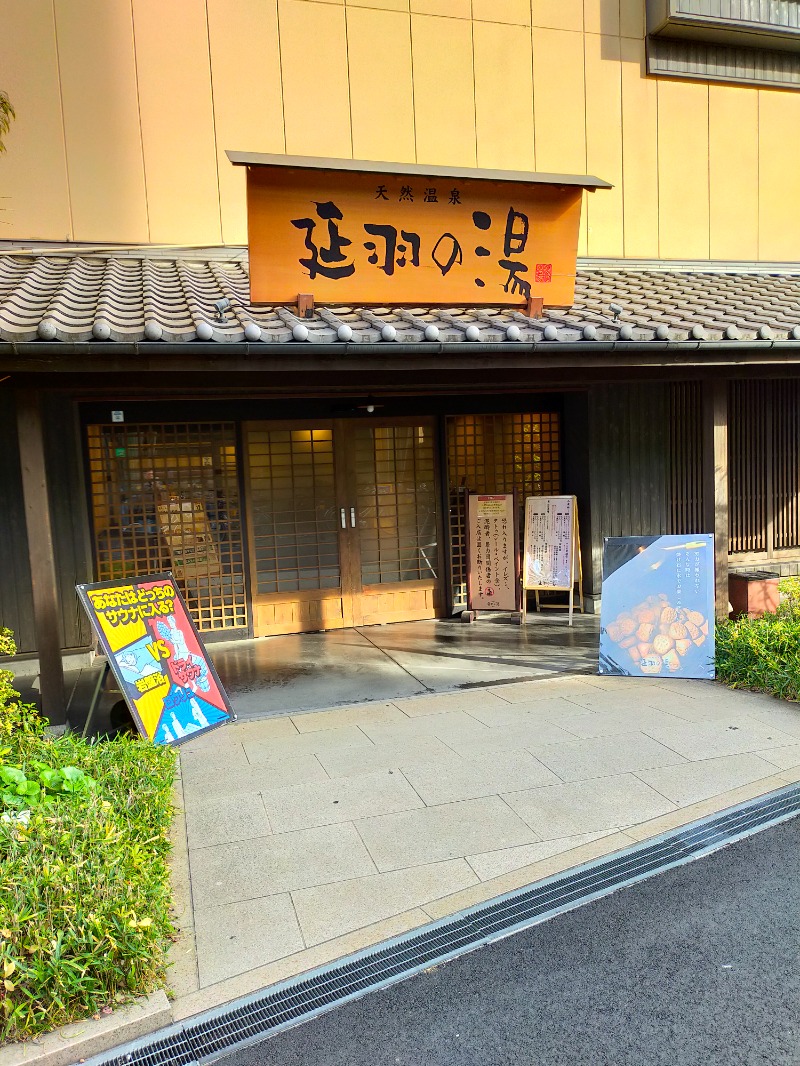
(343,517)
(353,517)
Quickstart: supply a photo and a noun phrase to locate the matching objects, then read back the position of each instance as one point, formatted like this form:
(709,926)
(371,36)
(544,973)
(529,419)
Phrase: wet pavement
(276,675)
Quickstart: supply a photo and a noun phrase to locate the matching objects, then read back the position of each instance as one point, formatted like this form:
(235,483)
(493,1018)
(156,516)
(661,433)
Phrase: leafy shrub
(15,716)
(764,653)
(84,881)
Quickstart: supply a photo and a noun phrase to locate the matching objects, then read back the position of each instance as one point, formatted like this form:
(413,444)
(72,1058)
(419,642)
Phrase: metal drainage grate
(209,1035)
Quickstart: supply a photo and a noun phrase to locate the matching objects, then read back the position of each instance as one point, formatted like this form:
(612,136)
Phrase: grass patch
(84,881)
(763,654)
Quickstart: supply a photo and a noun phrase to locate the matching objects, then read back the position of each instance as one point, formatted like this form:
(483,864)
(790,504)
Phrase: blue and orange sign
(157,657)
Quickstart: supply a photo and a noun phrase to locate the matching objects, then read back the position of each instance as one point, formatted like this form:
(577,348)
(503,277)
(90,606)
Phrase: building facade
(303,467)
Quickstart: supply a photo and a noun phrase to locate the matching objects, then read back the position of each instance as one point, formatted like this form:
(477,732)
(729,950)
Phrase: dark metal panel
(16,596)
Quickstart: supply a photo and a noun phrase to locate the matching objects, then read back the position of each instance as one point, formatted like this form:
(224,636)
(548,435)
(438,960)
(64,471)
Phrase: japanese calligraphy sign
(492,554)
(657,609)
(157,657)
(550,542)
(347,236)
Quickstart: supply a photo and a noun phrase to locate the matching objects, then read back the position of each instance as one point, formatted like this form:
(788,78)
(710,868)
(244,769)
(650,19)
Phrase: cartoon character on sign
(188,670)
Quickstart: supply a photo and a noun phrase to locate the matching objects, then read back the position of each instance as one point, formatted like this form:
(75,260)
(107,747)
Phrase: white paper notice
(548,559)
(492,553)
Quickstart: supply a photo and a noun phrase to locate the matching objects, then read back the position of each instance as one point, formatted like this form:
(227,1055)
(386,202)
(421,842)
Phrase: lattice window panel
(493,454)
(396,502)
(294,512)
(749,447)
(166,497)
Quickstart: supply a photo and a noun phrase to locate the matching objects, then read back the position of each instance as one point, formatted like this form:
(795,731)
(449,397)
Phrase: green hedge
(764,653)
(84,882)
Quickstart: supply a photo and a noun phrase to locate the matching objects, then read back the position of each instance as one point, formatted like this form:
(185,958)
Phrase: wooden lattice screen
(686,457)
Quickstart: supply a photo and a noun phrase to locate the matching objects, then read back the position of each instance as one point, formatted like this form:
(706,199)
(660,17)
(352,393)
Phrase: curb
(80,1040)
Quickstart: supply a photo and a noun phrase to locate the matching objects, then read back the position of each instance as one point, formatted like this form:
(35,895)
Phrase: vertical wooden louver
(686,457)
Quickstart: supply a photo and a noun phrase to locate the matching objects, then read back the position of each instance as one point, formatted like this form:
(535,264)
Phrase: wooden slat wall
(16,599)
(629,464)
(749,467)
(786,464)
(686,457)
(69,512)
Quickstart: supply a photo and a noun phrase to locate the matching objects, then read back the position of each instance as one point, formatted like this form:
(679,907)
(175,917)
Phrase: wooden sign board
(186,531)
(347,237)
(551,552)
(492,553)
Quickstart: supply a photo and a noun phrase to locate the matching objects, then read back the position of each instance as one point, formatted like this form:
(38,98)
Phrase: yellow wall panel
(515,12)
(384,5)
(639,153)
(631,18)
(601,16)
(683,169)
(33,171)
(557,14)
(779,175)
(248,103)
(316,99)
(604,143)
(503,96)
(733,172)
(382,108)
(444,102)
(558,101)
(101,121)
(180,162)
(454,9)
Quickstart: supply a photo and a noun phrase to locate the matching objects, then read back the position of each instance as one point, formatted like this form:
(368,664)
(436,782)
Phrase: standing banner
(492,553)
(657,607)
(157,657)
(552,548)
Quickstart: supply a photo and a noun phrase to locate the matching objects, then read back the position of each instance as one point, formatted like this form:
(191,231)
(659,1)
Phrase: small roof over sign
(366,166)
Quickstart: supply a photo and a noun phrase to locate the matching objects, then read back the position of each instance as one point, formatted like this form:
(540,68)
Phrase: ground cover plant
(763,654)
(84,882)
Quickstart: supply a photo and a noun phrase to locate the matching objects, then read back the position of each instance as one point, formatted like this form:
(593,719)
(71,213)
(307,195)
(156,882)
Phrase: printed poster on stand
(492,552)
(157,657)
(657,608)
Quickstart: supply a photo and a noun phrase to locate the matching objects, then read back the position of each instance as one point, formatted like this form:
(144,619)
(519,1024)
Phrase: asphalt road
(698,965)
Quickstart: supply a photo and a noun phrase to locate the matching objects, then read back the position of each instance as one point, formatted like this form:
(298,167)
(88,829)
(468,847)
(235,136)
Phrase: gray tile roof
(150,297)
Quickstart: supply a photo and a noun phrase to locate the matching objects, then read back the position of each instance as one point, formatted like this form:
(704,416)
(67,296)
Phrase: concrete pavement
(308,836)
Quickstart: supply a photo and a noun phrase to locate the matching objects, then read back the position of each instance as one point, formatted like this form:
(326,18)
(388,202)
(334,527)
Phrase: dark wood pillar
(715,482)
(40,553)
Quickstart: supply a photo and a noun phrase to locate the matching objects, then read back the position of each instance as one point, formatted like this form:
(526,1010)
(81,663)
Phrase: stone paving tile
(450,725)
(587,806)
(509,714)
(264,728)
(235,937)
(533,734)
(785,758)
(706,740)
(331,910)
(405,750)
(494,863)
(589,723)
(449,831)
(779,715)
(263,867)
(226,818)
(260,752)
(217,783)
(695,781)
(361,714)
(605,756)
(489,775)
(342,800)
(229,758)
(528,691)
(440,702)
(217,741)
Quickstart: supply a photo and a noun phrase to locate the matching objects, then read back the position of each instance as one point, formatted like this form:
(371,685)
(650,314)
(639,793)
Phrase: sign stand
(492,554)
(552,552)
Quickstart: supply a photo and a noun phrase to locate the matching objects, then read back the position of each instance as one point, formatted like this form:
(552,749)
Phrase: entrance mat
(265,1013)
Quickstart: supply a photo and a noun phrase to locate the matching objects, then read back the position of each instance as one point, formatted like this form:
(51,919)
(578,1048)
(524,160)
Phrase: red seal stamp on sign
(543,272)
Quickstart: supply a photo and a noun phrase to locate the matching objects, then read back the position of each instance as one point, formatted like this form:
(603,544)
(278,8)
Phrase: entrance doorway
(343,523)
